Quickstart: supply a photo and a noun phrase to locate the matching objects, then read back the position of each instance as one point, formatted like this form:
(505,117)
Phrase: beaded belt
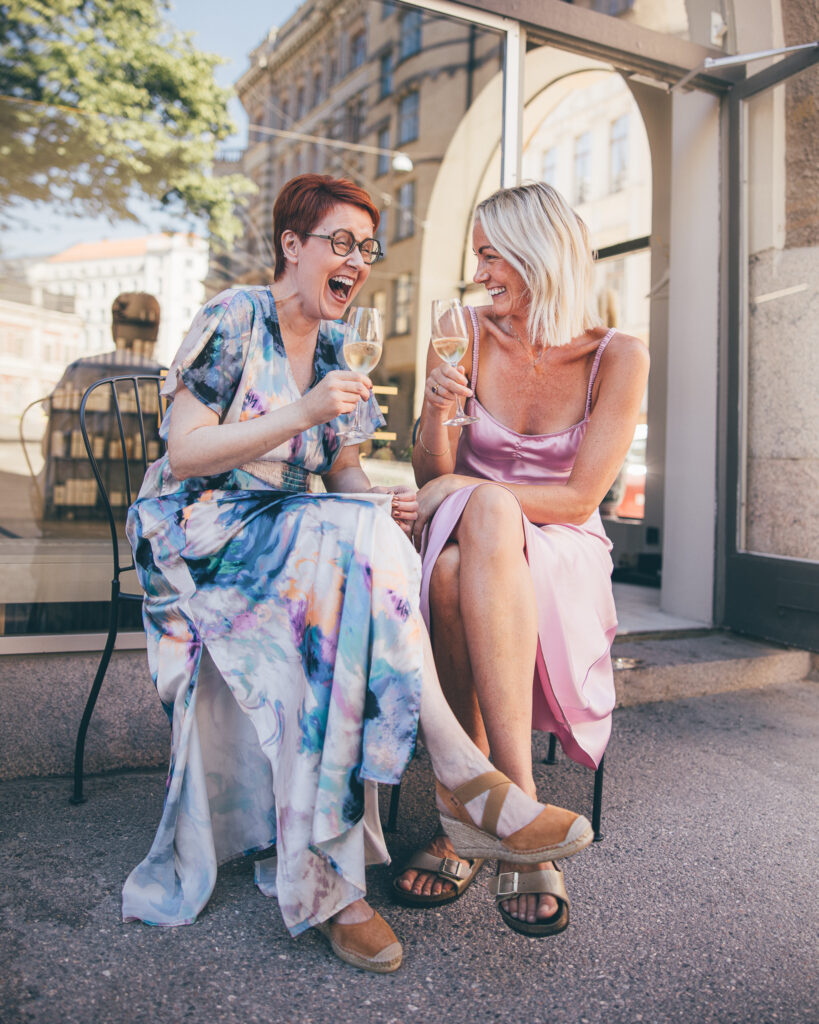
(280,475)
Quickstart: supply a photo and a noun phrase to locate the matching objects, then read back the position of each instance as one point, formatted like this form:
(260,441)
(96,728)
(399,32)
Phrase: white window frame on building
(402,304)
(385,74)
(581,168)
(383,228)
(410,40)
(383,160)
(405,219)
(409,109)
(548,166)
(618,153)
(358,49)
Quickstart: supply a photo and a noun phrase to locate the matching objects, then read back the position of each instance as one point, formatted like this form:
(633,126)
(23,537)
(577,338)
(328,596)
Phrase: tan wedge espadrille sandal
(554,833)
(370,945)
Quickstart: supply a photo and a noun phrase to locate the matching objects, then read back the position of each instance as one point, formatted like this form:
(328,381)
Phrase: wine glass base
(354,436)
(461,421)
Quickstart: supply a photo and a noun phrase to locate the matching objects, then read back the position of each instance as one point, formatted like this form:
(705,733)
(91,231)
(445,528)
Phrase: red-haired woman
(284,633)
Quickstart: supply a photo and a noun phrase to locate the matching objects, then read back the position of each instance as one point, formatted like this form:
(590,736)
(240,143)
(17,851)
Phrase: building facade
(383,78)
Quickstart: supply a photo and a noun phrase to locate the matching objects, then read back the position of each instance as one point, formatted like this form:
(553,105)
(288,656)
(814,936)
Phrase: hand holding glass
(363,341)
(450,341)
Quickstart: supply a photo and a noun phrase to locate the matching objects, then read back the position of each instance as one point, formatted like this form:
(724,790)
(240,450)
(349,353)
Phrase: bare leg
(455,674)
(500,621)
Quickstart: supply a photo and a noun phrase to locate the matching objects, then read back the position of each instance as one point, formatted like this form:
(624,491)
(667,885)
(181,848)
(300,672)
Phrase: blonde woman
(516,575)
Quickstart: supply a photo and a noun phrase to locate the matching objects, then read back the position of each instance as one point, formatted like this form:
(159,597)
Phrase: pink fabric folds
(571,570)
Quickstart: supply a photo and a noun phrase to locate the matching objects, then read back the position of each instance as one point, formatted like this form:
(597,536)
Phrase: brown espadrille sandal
(370,945)
(555,833)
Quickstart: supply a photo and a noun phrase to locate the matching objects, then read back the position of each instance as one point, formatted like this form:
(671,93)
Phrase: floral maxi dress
(284,639)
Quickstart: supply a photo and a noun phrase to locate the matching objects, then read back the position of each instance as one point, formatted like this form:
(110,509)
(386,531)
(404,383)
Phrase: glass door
(772,479)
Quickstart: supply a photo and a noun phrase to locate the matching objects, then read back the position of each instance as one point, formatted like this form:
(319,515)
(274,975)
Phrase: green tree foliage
(103,101)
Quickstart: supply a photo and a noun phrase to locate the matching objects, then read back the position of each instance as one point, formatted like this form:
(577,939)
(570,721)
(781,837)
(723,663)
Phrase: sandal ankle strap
(493,782)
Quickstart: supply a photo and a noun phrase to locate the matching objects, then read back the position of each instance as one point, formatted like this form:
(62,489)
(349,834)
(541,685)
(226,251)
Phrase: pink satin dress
(570,566)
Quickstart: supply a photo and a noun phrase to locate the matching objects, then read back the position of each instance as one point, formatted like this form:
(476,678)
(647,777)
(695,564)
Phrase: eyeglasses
(343,242)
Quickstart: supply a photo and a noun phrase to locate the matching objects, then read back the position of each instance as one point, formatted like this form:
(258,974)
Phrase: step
(692,663)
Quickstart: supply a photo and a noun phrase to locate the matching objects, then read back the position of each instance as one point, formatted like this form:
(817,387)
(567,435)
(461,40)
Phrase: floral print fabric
(284,639)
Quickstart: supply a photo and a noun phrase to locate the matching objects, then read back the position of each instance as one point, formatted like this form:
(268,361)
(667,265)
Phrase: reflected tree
(103,101)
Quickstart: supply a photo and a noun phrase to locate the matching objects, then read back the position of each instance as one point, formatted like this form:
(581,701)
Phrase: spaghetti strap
(595,367)
(475,336)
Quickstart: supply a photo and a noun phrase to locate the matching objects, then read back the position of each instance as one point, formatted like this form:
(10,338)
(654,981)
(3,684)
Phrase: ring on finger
(434,389)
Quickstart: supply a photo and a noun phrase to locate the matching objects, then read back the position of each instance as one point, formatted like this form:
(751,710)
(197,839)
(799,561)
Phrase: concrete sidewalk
(700,905)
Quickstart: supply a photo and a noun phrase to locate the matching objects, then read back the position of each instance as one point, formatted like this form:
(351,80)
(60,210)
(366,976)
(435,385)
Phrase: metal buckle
(451,868)
(510,887)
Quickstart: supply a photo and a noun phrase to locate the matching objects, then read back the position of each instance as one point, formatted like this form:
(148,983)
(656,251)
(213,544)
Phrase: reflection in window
(383,164)
(410,33)
(548,167)
(358,50)
(402,303)
(355,120)
(582,167)
(618,154)
(408,118)
(384,75)
(379,301)
(405,226)
(383,229)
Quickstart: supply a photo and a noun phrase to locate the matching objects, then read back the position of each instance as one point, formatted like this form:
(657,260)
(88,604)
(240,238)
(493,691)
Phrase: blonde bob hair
(536,231)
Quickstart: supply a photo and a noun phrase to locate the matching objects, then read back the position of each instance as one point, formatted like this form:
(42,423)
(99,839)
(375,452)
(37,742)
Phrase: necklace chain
(530,347)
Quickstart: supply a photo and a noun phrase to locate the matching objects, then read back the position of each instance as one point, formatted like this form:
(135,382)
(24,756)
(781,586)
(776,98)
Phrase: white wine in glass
(450,341)
(363,341)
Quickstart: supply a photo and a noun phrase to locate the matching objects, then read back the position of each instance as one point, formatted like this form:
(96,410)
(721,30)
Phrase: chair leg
(597,806)
(392,818)
(79,749)
(550,756)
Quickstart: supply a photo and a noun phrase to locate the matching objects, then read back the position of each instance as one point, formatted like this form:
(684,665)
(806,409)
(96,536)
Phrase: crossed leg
(484,637)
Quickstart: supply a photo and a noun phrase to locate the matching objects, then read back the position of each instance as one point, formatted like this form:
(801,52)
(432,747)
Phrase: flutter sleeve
(212,356)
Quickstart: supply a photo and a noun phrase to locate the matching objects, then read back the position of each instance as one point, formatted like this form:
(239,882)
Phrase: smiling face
(327,283)
(506,287)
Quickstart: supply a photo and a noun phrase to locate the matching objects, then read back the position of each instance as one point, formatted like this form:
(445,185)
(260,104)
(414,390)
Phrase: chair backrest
(119,420)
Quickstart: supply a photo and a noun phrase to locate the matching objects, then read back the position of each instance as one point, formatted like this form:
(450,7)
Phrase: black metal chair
(121,409)
(597,802)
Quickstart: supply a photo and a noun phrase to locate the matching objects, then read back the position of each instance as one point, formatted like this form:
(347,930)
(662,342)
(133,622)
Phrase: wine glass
(363,341)
(450,341)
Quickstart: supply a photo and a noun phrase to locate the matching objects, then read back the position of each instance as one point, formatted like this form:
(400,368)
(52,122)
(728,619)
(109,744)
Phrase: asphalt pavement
(700,904)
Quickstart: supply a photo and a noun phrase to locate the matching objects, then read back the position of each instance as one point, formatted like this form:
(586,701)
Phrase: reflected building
(171,266)
(387,79)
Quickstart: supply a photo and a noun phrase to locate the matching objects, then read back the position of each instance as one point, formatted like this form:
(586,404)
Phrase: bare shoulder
(625,354)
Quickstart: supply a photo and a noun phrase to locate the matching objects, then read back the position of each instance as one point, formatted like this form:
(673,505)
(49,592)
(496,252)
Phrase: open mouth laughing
(341,285)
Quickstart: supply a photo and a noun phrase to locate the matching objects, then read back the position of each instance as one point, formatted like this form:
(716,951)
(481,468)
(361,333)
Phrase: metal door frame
(766,595)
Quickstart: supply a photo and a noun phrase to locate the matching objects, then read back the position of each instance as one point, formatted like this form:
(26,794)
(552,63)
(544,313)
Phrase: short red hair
(303,202)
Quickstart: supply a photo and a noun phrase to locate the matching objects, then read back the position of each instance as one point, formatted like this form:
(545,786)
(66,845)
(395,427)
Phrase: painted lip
(494,292)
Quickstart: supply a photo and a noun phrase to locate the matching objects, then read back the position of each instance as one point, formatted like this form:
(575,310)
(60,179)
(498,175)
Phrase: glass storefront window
(337,86)
(780,360)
